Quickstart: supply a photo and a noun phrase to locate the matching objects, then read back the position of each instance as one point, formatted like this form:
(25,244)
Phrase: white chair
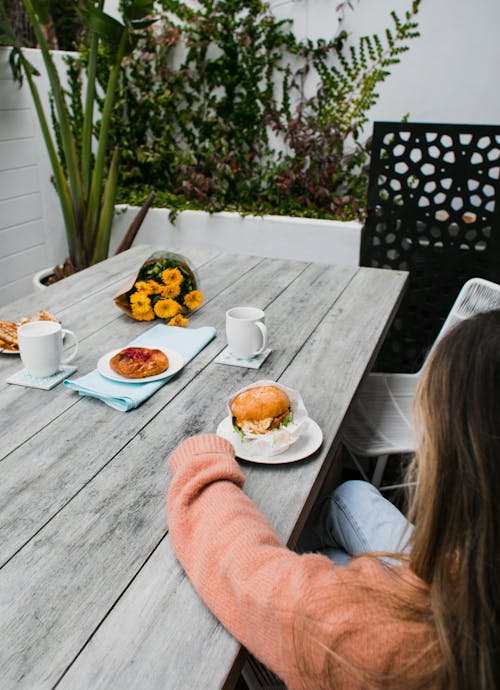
(379,423)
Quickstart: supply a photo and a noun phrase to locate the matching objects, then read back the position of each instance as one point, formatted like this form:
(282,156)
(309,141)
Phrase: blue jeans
(355,519)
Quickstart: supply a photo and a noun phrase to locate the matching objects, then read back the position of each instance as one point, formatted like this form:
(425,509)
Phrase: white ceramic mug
(246,332)
(40,347)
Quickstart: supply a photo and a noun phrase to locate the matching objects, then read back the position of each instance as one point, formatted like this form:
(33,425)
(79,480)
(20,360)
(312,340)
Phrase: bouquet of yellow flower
(166,287)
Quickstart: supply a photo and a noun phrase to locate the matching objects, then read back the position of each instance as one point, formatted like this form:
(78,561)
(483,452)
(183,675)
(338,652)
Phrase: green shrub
(211,112)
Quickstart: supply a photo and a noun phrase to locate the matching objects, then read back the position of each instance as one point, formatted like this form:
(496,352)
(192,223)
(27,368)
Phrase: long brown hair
(456,503)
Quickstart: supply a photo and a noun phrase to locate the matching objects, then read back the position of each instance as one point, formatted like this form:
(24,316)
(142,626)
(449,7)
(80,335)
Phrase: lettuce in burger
(260,409)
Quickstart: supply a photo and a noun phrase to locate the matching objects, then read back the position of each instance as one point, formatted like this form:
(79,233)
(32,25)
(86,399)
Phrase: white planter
(279,237)
(282,237)
(39,276)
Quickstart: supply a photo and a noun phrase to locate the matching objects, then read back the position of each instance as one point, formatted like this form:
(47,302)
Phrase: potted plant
(84,174)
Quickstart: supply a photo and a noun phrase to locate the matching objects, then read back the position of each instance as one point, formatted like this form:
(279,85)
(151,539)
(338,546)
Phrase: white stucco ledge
(283,237)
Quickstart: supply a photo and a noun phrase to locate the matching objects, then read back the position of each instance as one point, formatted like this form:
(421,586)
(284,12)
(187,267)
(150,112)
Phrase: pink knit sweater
(264,593)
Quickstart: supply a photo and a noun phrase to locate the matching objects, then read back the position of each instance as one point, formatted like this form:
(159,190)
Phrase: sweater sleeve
(248,578)
(260,590)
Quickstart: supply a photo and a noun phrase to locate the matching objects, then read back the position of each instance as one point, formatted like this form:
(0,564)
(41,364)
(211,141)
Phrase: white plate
(175,363)
(8,352)
(309,440)
(15,352)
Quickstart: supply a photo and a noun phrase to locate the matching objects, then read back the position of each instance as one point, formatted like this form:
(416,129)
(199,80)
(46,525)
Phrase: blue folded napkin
(127,396)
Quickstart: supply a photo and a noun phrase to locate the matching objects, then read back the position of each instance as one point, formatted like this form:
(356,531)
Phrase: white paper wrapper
(277,440)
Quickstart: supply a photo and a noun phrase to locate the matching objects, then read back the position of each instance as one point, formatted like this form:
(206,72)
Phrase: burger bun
(260,409)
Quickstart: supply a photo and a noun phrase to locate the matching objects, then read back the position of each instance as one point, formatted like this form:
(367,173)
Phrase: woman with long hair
(416,603)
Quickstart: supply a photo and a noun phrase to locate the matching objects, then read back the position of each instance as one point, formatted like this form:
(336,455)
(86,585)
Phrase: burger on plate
(260,409)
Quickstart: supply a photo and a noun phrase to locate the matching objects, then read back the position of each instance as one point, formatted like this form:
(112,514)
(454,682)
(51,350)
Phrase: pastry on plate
(8,336)
(139,362)
(40,315)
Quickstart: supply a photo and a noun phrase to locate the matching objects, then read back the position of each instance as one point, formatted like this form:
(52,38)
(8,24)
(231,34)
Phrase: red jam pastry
(139,362)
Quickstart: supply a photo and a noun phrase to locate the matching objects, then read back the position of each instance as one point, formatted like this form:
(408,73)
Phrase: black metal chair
(433,210)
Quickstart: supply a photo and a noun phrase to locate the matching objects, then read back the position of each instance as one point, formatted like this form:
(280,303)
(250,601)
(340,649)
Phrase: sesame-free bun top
(259,403)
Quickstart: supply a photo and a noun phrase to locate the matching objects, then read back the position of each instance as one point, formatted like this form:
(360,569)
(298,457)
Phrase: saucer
(309,441)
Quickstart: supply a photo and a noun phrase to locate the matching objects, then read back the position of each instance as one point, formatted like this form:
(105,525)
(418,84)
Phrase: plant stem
(59,178)
(101,245)
(67,138)
(94,201)
(88,117)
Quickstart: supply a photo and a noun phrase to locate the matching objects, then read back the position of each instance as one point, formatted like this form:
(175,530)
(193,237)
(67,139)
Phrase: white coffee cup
(40,347)
(246,332)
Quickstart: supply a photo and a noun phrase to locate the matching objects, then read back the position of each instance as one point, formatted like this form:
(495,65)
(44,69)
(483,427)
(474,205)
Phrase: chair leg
(378,472)
(358,464)
(393,487)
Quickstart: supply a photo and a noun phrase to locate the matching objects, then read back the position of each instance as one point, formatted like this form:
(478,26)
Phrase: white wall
(448,75)
(31,229)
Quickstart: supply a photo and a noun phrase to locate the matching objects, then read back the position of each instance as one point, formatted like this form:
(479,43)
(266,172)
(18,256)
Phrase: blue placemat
(128,396)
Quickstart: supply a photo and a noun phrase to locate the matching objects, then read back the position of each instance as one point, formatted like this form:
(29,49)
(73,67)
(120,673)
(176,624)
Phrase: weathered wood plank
(115,523)
(145,626)
(159,609)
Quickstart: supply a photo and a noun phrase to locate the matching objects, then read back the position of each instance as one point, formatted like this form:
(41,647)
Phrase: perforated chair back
(433,211)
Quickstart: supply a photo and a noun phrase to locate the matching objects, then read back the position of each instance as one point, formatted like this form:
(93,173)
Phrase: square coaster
(23,378)
(226,357)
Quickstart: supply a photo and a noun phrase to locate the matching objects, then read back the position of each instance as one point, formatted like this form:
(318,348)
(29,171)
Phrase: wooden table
(91,595)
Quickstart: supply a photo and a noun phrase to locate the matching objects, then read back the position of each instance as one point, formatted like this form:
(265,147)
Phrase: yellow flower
(178,321)
(140,302)
(148,315)
(166,308)
(155,288)
(172,276)
(171,290)
(193,299)
(149,287)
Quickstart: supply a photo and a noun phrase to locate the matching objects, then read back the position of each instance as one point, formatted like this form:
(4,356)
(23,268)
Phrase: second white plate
(3,351)
(309,440)
(175,363)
